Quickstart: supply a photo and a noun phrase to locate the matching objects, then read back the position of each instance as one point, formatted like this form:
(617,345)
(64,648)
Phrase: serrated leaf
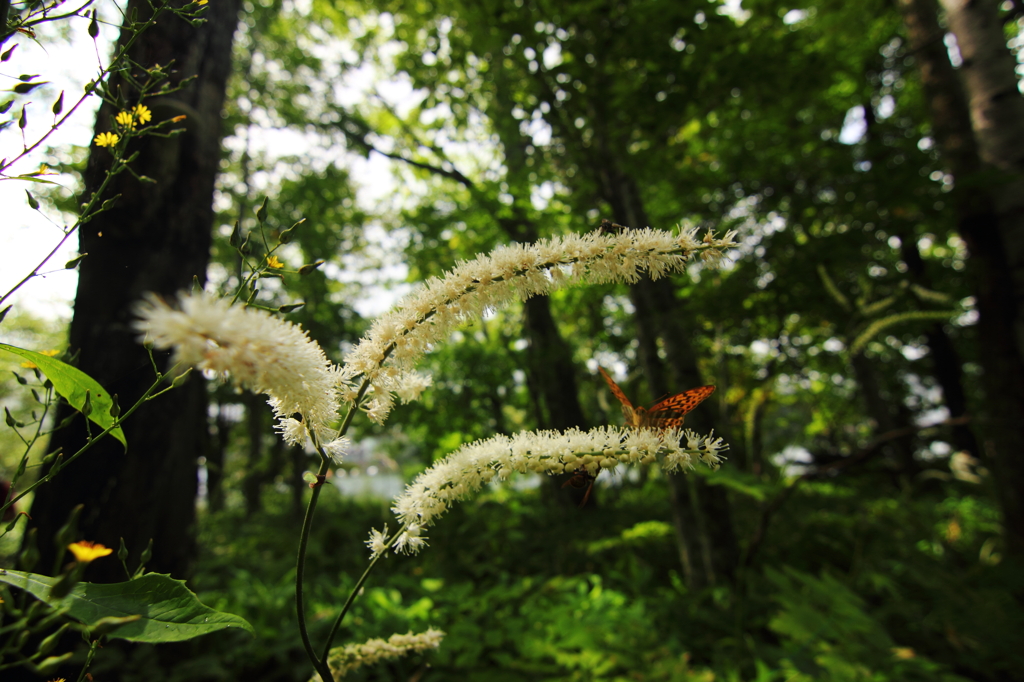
(169,611)
(72,383)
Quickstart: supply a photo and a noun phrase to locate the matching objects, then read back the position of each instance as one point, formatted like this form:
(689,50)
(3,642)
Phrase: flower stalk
(268,355)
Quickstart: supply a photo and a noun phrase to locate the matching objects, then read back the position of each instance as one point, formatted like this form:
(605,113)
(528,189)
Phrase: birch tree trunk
(979,126)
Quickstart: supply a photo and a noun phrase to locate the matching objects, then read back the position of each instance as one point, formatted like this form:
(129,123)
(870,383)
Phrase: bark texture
(156,239)
(978,126)
(705,537)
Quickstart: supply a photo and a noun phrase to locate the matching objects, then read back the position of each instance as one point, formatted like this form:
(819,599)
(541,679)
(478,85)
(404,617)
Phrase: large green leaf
(72,383)
(170,611)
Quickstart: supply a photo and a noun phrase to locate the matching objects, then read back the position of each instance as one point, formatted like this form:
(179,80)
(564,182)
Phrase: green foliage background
(872,571)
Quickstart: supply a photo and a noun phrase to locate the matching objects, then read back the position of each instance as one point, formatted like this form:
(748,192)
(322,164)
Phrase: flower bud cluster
(345,659)
(396,341)
(466,470)
(256,351)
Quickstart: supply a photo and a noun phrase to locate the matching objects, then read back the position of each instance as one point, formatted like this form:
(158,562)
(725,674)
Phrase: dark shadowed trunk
(947,366)
(707,543)
(980,135)
(156,239)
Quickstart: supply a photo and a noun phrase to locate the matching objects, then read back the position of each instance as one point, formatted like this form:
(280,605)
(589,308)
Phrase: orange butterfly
(666,414)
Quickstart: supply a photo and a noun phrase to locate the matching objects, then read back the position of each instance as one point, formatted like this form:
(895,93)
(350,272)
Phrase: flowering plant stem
(348,604)
(300,569)
(320,664)
(120,164)
(148,395)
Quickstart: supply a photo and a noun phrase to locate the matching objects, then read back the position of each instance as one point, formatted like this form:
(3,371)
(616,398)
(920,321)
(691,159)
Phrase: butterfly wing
(669,412)
(627,407)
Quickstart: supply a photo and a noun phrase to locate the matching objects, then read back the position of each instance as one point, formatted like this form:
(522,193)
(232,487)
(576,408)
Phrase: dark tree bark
(551,367)
(256,469)
(888,412)
(215,456)
(708,548)
(156,239)
(980,137)
(947,366)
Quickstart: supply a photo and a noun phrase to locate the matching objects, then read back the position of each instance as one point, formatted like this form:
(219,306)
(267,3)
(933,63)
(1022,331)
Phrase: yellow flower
(125,119)
(176,119)
(202,2)
(86,551)
(142,113)
(273,262)
(59,679)
(107,139)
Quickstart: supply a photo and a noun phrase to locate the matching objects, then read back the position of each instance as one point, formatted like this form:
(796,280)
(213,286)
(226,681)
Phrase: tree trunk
(947,366)
(982,144)
(551,367)
(997,119)
(156,239)
(707,544)
(215,457)
(889,414)
(256,469)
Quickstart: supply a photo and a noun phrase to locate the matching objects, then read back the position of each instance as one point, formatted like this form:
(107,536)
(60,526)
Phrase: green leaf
(169,611)
(32,178)
(72,383)
(743,483)
(25,88)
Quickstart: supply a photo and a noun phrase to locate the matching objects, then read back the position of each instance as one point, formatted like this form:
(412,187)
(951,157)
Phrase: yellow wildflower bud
(142,113)
(107,139)
(86,551)
(125,120)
